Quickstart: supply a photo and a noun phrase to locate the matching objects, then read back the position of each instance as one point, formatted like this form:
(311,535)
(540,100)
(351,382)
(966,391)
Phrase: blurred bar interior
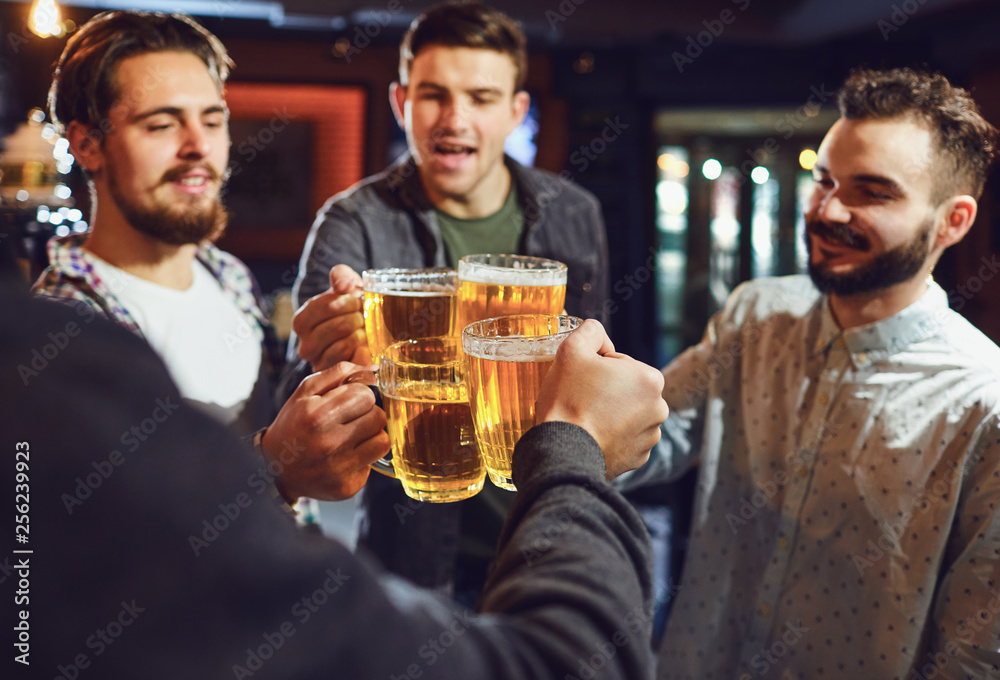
(695,124)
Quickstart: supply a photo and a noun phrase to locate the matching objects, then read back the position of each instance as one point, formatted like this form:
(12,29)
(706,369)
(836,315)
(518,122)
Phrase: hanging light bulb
(43,18)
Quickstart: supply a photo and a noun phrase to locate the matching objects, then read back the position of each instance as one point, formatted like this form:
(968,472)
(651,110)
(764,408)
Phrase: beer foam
(426,290)
(521,348)
(506,276)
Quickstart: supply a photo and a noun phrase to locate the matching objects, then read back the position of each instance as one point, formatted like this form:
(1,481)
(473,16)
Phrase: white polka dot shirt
(845,523)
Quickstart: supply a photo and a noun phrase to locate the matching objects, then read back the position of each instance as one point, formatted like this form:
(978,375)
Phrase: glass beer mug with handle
(498,285)
(508,358)
(403,304)
(434,450)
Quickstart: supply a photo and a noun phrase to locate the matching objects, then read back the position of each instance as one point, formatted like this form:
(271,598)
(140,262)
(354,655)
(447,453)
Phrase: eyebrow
(177,112)
(475,91)
(879,180)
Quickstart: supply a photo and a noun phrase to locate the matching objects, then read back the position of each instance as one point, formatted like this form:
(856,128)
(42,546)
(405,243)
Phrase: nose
(196,143)
(453,116)
(830,208)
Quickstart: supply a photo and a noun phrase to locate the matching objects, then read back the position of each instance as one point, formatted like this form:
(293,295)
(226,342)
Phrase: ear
(521,102)
(85,144)
(959,214)
(397,100)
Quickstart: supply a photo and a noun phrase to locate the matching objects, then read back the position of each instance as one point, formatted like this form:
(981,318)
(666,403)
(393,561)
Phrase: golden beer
(435,454)
(509,358)
(403,304)
(500,285)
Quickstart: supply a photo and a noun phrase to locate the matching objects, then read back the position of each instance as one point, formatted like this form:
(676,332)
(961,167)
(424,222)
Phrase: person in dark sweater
(153,550)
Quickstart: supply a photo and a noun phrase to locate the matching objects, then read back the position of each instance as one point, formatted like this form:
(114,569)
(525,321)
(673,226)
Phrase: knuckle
(653,377)
(311,420)
(360,393)
(343,366)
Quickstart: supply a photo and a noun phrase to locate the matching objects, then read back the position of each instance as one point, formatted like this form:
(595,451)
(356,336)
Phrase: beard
(883,271)
(178,223)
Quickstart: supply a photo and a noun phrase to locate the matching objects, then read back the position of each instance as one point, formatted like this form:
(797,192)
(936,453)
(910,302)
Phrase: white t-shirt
(208,344)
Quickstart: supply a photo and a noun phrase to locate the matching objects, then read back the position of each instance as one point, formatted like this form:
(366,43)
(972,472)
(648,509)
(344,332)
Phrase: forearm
(573,565)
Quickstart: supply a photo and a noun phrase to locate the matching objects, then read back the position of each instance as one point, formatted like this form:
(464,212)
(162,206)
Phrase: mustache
(175,174)
(840,234)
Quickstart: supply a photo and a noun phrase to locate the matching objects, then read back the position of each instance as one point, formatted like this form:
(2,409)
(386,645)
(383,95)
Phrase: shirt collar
(66,253)
(920,320)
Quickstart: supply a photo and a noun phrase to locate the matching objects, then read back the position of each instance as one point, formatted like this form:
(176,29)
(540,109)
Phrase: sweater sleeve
(160,553)
(336,237)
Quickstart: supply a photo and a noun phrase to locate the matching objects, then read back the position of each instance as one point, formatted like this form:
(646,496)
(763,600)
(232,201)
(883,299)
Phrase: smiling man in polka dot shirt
(845,523)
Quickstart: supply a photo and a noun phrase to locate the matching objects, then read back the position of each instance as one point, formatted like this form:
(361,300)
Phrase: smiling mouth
(453,149)
(838,237)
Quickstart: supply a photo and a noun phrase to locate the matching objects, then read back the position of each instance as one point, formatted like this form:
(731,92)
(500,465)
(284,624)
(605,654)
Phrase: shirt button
(746,676)
(587,287)
(802,471)
(782,542)
(764,610)
(823,400)
(862,357)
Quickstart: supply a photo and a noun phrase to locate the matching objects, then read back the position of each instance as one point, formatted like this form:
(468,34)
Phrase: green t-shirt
(497,233)
(483,515)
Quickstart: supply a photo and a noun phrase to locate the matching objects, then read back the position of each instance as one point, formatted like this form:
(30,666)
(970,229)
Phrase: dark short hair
(966,142)
(84,86)
(465,24)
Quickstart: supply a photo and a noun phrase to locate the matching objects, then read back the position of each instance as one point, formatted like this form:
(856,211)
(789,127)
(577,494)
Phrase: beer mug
(499,285)
(508,359)
(434,450)
(403,304)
